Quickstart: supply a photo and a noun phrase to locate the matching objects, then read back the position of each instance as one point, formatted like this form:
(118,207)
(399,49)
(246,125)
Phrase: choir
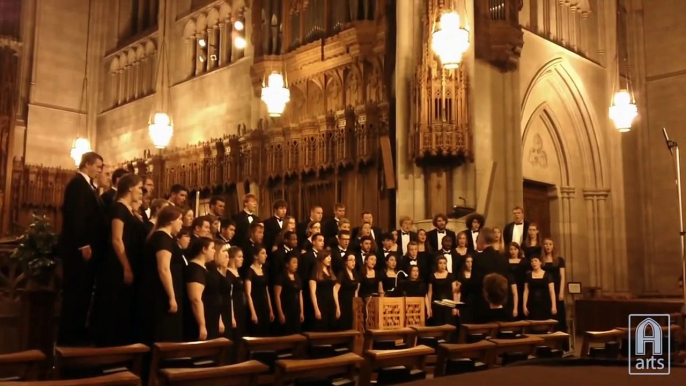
(159,273)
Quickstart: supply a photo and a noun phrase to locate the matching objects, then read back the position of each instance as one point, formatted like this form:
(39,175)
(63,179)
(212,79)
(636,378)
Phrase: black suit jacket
(432,238)
(271,230)
(301,230)
(338,259)
(276,264)
(470,242)
(306,263)
(509,228)
(242,229)
(84,218)
(487,262)
(456,258)
(359,260)
(330,228)
(108,199)
(413,237)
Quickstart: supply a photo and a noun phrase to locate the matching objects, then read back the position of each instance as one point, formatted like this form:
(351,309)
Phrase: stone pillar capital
(567,191)
(601,194)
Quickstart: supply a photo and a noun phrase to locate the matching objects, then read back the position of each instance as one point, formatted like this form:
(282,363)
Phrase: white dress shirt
(518,233)
(474,236)
(250,216)
(404,240)
(449,260)
(440,234)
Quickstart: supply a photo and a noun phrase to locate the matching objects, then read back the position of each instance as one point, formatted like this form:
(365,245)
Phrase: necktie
(279,219)
(475,231)
(441,232)
(405,233)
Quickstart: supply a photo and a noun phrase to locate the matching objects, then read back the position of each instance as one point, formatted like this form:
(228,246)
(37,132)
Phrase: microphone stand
(674,150)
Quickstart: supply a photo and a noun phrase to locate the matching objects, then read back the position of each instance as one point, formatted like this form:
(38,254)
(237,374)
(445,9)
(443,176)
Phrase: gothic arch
(562,91)
(552,125)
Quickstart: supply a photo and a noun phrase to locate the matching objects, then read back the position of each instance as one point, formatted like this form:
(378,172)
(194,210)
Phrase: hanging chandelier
(623,111)
(275,94)
(79,147)
(160,129)
(450,41)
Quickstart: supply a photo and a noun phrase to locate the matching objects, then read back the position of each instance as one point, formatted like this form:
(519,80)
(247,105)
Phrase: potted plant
(36,256)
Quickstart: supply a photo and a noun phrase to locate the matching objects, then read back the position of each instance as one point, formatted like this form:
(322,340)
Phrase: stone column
(608,264)
(410,191)
(199,65)
(121,84)
(114,90)
(136,79)
(221,45)
(210,50)
(592,241)
(560,15)
(567,194)
(553,11)
(583,33)
(572,27)
(144,76)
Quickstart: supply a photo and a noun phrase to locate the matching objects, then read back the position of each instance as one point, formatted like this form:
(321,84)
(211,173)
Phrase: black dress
(225,289)
(212,302)
(326,304)
(538,303)
(114,303)
(368,286)
(413,288)
(442,289)
(554,272)
(388,283)
(260,300)
(239,305)
(406,264)
(157,323)
(290,304)
(518,273)
(346,294)
(532,251)
(194,273)
(469,295)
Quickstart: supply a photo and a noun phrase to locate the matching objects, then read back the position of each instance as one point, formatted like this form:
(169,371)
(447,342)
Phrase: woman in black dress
(519,266)
(313,228)
(257,294)
(212,297)
(114,302)
(442,286)
(425,253)
(323,294)
(239,303)
(289,298)
(554,265)
(532,245)
(196,324)
(539,293)
(462,249)
(347,287)
(162,290)
(388,276)
(370,282)
(468,291)
(221,261)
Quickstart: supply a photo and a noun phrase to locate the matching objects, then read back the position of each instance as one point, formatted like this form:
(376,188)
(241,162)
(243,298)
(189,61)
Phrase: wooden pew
(596,337)
(541,326)
(676,333)
(342,342)
(239,374)
(21,366)
(404,334)
(216,349)
(433,337)
(288,370)
(292,343)
(526,345)
(123,378)
(554,340)
(97,359)
(488,329)
(411,358)
(517,327)
(479,351)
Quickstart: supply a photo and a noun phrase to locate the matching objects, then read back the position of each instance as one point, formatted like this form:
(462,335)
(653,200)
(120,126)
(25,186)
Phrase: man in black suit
(217,206)
(367,217)
(226,231)
(277,259)
(340,252)
(405,234)
(274,224)
(148,189)
(517,230)
(448,251)
(81,244)
(244,219)
(435,236)
(487,260)
(385,251)
(364,252)
(249,246)
(104,180)
(178,196)
(110,195)
(201,228)
(316,213)
(306,263)
(474,223)
(331,227)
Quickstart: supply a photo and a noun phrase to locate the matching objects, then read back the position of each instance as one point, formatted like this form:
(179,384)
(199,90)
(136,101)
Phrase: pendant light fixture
(161,124)
(450,41)
(623,109)
(81,145)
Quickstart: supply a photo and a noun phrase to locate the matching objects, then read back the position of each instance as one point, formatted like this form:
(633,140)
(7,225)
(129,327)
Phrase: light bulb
(202,43)
(240,43)
(238,25)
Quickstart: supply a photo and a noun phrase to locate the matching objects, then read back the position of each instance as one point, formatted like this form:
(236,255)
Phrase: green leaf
(36,253)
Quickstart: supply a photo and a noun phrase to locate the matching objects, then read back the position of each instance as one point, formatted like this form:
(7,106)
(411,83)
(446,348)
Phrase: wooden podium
(385,313)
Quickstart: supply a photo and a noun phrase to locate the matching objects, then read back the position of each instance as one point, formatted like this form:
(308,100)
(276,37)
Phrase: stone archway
(561,146)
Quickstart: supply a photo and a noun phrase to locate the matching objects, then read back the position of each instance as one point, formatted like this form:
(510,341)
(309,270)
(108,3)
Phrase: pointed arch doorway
(537,205)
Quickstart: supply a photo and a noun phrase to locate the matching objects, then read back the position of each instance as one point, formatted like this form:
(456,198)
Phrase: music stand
(673,148)
(573,288)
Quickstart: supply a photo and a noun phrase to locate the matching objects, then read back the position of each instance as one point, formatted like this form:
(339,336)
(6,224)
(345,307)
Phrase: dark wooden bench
(123,378)
(406,335)
(245,373)
(479,352)
(554,340)
(191,353)
(327,344)
(21,366)
(525,346)
(488,330)
(288,370)
(517,327)
(600,337)
(411,358)
(433,337)
(268,350)
(99,359)
(541,326)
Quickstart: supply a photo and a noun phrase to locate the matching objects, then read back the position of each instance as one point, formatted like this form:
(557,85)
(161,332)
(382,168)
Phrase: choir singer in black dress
(114,295)
(162,289)
(324,297)
(202,317)
(257,294)
(289,298)
(239,303)
(347,287)
(82,242)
